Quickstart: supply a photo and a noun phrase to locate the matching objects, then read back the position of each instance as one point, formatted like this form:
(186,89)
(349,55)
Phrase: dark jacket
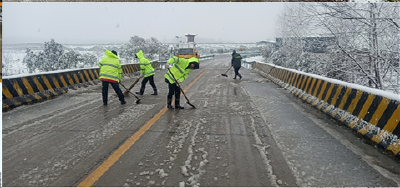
(236,60)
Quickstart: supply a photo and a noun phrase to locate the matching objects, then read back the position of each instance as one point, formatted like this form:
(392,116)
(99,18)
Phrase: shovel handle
(178,84)
(128,90)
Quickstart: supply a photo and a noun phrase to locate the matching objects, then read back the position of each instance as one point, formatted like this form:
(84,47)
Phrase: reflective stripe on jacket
(178,69)
(110,68)
(145,66)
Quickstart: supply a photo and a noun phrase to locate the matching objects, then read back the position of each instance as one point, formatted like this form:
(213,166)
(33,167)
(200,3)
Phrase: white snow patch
(205,104)
(235,106)
(263,152)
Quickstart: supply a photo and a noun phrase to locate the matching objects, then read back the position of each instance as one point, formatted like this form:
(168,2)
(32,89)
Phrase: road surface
(242,133)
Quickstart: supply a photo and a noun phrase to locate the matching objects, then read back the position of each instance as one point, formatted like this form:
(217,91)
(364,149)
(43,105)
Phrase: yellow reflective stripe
(395,147)
(115,66)
(366,106)
(7,93)
(28,86)
(329,92)
(316,87)
(355,101)
(46,81)
(111,76)
(338,90)
(149,72)
(344,99)
(379,111)
(393,120)
(322,90)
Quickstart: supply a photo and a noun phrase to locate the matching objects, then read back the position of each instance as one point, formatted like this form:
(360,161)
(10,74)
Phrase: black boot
(177,106)
(169,101)
(155,91)
(104,100)
(140,92)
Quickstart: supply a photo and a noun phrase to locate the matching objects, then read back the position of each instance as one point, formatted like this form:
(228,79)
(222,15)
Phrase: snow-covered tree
(53,58)
(6,63)
(30,60)
(52,53)
(88,60)
(152,47)
(129,49)
(69,60)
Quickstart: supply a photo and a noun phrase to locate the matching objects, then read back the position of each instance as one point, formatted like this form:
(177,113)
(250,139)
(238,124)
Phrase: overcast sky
(84,22)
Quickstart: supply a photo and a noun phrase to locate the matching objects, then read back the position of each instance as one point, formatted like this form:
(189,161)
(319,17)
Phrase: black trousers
(237,72)
(144,82)
(116,88)
(173,89)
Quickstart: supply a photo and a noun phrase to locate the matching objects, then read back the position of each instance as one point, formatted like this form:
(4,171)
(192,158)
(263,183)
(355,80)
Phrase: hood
(193,59)
(108,53)
(140,54)
(234,52)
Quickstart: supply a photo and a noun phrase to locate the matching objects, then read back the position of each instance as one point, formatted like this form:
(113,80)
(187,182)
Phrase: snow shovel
(227,72)
(130,87)
(138,100)
(187,100)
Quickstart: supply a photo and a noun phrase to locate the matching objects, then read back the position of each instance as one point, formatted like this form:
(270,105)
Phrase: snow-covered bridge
(272,128)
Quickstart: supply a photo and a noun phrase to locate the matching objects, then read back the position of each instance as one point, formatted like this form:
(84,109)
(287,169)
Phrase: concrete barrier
(31,89)
(374,116)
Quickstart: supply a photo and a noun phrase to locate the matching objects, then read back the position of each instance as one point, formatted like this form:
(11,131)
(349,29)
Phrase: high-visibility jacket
(145,66)
(110,68)
(179,69)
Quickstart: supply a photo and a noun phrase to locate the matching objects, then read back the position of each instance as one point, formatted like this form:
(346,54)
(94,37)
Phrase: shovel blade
(224,75)
(191,104)
(137,101)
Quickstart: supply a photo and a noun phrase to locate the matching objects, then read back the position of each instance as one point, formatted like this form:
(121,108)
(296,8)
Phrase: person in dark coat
(236,63)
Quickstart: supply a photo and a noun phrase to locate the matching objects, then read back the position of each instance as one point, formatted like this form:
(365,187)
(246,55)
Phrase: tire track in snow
(263,152)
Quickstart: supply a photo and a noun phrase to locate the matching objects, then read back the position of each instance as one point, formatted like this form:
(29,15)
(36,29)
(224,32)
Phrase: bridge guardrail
(374,117)
(40,87)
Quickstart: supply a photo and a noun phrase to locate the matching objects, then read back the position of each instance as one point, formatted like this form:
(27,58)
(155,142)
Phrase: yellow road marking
(96,174)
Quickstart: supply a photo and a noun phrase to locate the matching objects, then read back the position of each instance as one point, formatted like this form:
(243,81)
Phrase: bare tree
(362,43)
